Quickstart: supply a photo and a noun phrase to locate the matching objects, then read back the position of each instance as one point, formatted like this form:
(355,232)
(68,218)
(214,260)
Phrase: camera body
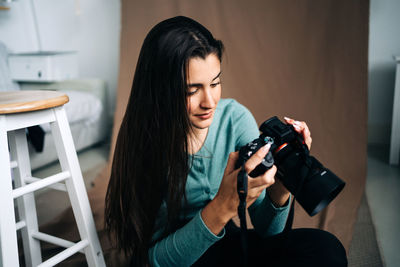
(313,185)
(249,149)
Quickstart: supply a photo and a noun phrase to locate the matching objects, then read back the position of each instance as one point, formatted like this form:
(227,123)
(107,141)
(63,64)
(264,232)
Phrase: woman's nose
(208,100)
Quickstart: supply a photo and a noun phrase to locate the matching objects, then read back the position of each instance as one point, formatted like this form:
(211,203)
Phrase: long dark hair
(151,161)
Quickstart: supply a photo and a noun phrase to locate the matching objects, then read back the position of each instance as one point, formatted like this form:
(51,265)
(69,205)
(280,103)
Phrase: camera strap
(242,192)
(289,221)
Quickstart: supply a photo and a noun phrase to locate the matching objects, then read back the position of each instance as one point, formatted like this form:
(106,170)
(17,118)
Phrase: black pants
(297,247)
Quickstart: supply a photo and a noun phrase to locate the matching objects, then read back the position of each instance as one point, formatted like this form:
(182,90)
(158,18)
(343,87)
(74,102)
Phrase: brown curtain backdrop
(303,59)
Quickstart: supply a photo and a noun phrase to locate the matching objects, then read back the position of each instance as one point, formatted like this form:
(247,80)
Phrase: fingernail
(296,127)
(286,118)
(266,148)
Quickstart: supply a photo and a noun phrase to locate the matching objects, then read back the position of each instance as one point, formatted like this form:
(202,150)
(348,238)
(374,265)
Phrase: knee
(323,247)
(330,249)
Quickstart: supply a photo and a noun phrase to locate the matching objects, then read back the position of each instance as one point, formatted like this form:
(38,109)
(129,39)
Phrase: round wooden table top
(30,100)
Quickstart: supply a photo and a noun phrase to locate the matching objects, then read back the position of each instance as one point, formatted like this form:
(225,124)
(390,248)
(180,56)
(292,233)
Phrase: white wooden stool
(19,110)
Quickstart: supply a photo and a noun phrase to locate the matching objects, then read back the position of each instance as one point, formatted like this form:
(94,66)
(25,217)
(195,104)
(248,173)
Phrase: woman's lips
(205,116)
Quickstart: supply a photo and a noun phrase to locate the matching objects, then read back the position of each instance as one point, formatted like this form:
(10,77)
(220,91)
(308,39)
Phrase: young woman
(172,192)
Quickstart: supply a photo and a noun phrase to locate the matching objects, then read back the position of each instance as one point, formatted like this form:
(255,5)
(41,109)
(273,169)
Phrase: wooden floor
(364,249)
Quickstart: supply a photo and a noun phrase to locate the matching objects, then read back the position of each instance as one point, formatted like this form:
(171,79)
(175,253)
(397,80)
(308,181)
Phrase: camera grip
(248,150)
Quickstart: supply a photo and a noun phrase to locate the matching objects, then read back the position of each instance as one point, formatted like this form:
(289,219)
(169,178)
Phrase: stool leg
(26,203)
(76,187)
(8,231)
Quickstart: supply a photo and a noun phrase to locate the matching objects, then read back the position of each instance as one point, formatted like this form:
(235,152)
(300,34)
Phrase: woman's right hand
(225,204)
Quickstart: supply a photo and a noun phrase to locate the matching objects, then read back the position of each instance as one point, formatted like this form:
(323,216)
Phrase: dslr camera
(313,185)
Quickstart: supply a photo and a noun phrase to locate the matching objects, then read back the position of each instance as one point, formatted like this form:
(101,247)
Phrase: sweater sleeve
(266,218)
(185,246)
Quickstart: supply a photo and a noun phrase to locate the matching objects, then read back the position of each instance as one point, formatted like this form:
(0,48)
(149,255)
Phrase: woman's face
(204,90)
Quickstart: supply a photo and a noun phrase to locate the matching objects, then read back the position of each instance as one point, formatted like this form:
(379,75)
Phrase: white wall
(17,29)
(90,27)
(384,42)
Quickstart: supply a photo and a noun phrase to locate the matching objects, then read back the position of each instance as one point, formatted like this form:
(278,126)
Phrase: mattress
(82,107)
(88,123)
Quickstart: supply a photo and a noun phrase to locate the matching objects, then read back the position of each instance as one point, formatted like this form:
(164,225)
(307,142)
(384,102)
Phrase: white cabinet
(43,67)
(395,137)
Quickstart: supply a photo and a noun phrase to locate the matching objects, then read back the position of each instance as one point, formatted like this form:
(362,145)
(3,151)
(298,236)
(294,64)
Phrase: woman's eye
(192,92)
(215,84)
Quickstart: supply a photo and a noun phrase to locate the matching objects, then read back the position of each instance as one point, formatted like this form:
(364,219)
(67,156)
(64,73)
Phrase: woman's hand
(225,204)
(278,193)
(227,193)
(302,128)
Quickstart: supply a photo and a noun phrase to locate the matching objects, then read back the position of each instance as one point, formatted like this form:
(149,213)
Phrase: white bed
(87,110)
(87,115)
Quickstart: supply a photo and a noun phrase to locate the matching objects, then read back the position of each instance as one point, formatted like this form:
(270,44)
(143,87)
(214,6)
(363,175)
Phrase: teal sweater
(233,126)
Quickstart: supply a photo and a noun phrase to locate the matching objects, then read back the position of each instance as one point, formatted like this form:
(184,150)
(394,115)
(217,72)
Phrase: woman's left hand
(302,128)
(277,191)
